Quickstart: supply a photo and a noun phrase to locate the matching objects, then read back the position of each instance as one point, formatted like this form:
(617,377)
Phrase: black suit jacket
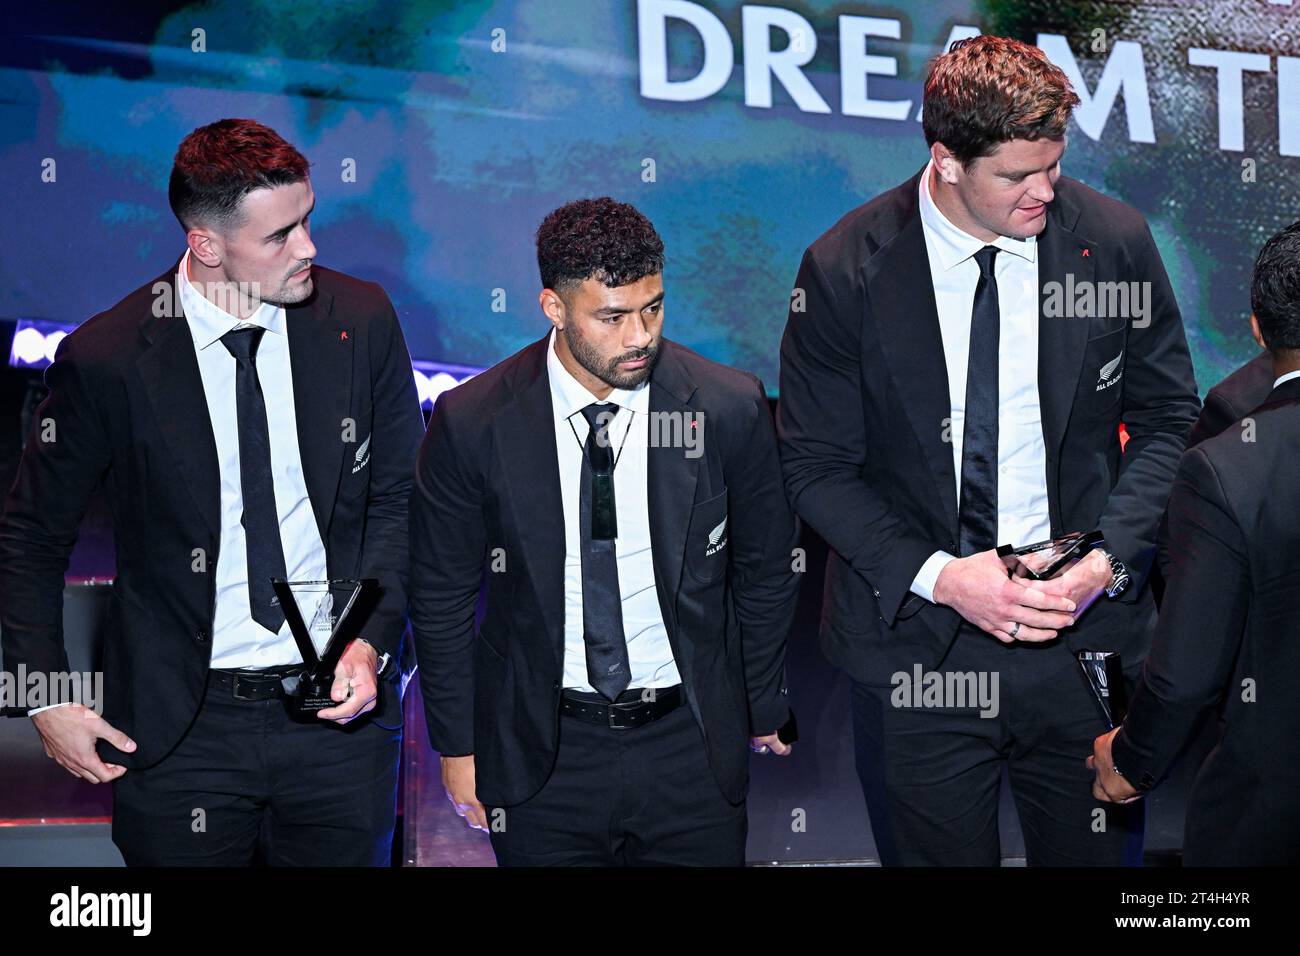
(864,398)
(1229,641)
(1232,399)
(127,401)
(488,479)
(1225,404)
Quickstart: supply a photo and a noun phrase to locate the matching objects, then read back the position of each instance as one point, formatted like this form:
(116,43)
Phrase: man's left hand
(773,744)
(356,683)
(1082,582)
(1108,785)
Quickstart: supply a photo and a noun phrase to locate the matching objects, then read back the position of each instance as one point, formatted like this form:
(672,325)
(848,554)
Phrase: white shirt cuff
(923,583)
(37,710)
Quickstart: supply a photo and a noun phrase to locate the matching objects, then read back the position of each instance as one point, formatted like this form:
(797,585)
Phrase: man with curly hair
(612,502)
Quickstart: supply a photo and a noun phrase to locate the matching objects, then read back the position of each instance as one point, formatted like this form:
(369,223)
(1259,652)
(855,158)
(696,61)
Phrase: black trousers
(931,774)
(247,785)
(645,796)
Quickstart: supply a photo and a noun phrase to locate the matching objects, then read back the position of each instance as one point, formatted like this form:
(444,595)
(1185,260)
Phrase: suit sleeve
(66,455)
(1160,404)
(394,440)
(824,444)
(1202,621)
(448,543)
(765,586)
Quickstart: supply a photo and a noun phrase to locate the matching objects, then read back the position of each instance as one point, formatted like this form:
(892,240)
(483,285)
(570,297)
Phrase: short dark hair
(601,239)
(988,90)
(218,164)
(1275,291)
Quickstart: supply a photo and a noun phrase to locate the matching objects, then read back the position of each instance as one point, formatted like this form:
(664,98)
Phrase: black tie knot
(242,343)
(599,416)
(984,259)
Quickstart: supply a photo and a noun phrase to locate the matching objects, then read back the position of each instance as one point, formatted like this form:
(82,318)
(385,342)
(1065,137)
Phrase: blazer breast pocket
(706,539)
(356,466)
(1101,381)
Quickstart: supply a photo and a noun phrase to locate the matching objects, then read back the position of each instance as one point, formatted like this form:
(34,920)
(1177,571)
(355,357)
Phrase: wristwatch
(384,658)
(1120,579)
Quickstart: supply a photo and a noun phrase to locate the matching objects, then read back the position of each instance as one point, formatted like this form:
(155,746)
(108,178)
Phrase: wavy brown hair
(989,90)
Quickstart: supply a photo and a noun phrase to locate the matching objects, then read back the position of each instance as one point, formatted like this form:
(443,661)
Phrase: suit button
(201,637)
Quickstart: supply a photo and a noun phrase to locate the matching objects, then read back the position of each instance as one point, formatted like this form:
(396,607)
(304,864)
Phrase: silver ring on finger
(1015,629)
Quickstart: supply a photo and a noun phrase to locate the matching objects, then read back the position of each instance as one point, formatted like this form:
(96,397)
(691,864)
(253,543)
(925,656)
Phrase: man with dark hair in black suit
(938,399)
(1227,639)
(613,503)
(251,416)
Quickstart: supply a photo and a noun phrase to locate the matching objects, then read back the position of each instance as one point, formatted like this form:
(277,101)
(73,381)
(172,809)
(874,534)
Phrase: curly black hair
(1275,290)
(601,239)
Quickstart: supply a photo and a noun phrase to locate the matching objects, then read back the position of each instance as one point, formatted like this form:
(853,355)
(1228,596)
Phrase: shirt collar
(954,246)
(1287,377)
(569,396)
(209,322)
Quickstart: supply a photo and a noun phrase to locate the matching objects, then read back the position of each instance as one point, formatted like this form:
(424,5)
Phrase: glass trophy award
(324,617)
(1105,678)
(1043,559)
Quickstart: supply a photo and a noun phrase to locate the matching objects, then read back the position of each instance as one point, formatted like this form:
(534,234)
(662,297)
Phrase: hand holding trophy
(324,617)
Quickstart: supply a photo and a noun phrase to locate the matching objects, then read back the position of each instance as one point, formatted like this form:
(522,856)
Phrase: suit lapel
(321,359)
(169,369)
(1067,259)
(671,480)
(901,293)
(524,443)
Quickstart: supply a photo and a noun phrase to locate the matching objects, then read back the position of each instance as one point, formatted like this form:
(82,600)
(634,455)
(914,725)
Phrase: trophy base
(308,696)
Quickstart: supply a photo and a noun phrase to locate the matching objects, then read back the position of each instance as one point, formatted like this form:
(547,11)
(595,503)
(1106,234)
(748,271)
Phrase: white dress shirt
(1022,454)
(1286,378)
(238,640)
(648,650)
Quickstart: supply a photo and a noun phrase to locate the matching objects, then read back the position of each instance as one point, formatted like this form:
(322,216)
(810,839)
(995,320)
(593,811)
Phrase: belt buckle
(630,708)
(234,689)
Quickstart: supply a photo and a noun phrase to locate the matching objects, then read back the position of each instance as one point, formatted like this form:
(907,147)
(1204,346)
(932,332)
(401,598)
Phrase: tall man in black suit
(617,501)
(1227,639)
(250,416)
(947,387)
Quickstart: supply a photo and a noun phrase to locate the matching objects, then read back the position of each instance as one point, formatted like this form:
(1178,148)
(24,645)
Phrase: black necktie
(602,605)
(978,512)
(260,521)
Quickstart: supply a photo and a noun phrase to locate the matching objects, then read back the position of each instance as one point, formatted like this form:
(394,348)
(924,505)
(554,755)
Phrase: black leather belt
(264,683)
(634,707)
